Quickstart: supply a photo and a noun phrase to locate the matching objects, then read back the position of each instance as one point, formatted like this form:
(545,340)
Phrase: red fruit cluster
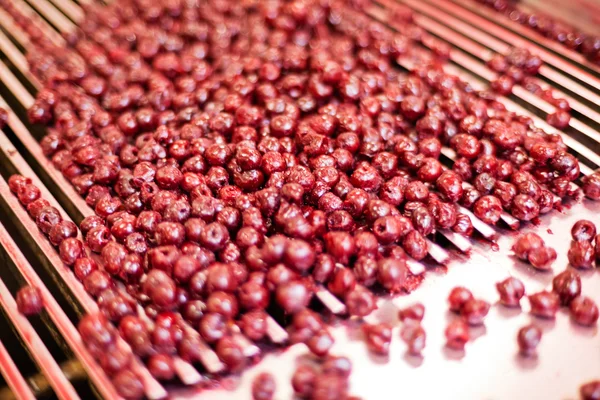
(98,334)
(328,380)
(583,253)
(591,185)
(531,247)
(412,333)
(520,67)
(518,64)
(472,312)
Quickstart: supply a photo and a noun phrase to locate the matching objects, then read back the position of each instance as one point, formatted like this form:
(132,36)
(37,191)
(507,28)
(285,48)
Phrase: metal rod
(62,387)
(50,32)
(82,207)
(70,9)
(330,301)
(13,376)
(480,68)
(17,59)
(16,32)
(57,315)
(72,370)
(503,26)
(153,389)
(56,18)
(498,46)
(34,149)
(15,87)
(470,64)
(276,333)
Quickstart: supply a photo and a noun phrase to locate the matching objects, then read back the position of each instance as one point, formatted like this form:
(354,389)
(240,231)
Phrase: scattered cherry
(458,297)
(414,312)
(567,285)
(29,300)
(303,381)
(544,304)
(584,311)
(525,243)
(581,255)
(457,334)
(511,291)
(583,231)
(263,386)
(542,258)
(414,336)
(528,339)
(590,390)
(379,337)
(474,311)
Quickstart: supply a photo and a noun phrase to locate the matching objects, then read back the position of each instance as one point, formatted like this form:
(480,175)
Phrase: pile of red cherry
(239,154)
(306,325)
(588,45)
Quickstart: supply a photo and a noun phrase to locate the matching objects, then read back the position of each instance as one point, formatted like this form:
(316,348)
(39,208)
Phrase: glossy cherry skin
(528,339)
(511,290)
(567,285)
(29,301)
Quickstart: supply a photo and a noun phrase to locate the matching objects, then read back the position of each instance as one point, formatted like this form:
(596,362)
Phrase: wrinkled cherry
(360,302)
(590,390)
(511,291)
(414,312)
(567,285)
(474,311)
(528,339)
(303,381)
(583,231)
(379,337)
(542,258)
(263,387)
(458,297)
(584,311)
(457,334)
(581,255)
(29,300)
(544,304)
(415,338)
(525,243)
(320,343)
